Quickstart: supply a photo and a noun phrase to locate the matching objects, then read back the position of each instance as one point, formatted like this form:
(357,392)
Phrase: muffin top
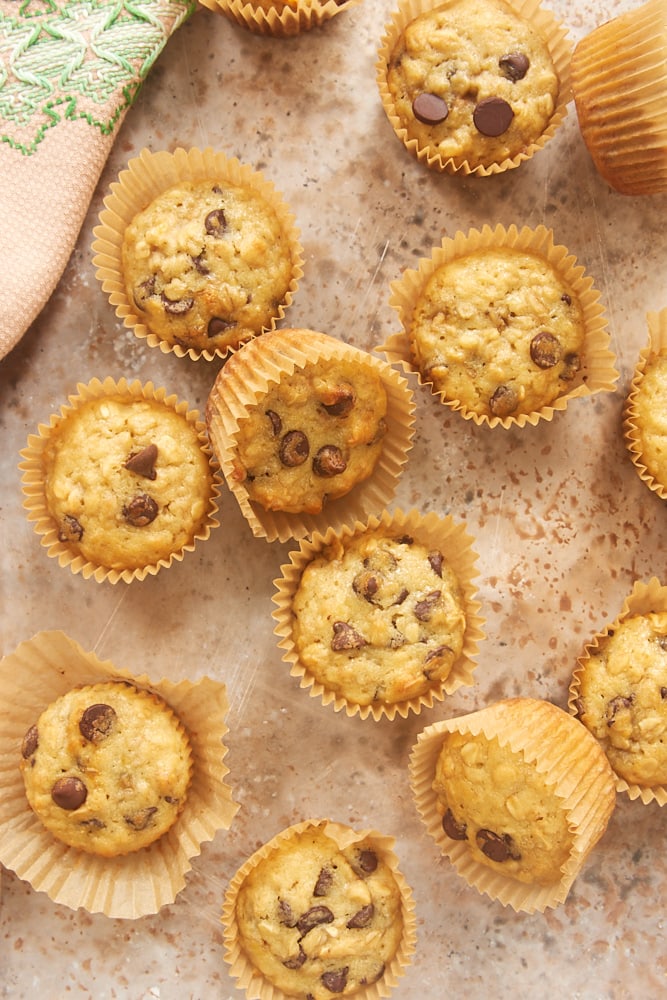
(472,80)
(650,403)
(106,768)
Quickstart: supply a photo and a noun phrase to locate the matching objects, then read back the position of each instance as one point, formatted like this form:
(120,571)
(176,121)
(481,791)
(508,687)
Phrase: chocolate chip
(140,511)
(436,560)
(276,422)
(495,846)
(367,861)
(335,981)
(324,882)
(545,350)
(297,961)
(71,530)
(200,264)
(329,462)
(492,116)
(566,299)
(313,917)
(69,793)
(452,827)
(143,291)
(215,222)
(177,307)
(143,462)
(294,449)
(342,403)
(30,743)
(436,654)
(616,705)
(663,693)
(571,365)
(430,109)
(424,608)
(216,326)
(97,722)
(93,824)
(504,401)
(514,65)
(142,818)
(346,637)
(365,584)
(286,914)
(362,917)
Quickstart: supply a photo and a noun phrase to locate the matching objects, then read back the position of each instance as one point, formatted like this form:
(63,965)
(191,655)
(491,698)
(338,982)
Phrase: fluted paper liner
(38,672)
(250,979)
(248,375)
(644,599)
(33,479)
(542,21)
(632,430)
(597,373)
(438,533)
(282,21)
(573,765)
(149,175)
(619,83)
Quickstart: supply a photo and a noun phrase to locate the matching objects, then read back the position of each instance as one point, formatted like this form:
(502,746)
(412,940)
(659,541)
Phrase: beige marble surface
(562,523)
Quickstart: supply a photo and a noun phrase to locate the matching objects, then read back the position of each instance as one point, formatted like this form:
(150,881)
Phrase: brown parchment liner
(250,979)
(33,479)
(542,21)
(38,672)
(246,378)
(441,533)
(597,373)
(149,175)
(619,83)
(644,599)
(563,751)
(282,21)
(656,346)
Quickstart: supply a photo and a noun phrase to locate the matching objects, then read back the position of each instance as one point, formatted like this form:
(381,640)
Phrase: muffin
(381,618)
(306,427)
(121,482)
(503,326)
(106,768)
(619,693)
(319,910)
(516,795)
(645,424)
(620,93)
(280,18)
(197,251)
(476,86)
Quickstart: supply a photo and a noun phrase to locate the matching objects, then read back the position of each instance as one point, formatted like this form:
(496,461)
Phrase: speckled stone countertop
(561,521)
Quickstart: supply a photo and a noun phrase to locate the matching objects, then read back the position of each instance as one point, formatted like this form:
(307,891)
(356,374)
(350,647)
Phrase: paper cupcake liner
(283,20)
(33,480)
(149,175)
(573,765)
(620,93)
(133,885)
(597,374)
(248,375)
(441,533)
(250,979)
(542,21)
(645,598)
(657,345)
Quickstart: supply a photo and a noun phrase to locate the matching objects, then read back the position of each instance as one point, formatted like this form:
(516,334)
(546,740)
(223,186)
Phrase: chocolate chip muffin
(106,768)
(646,429)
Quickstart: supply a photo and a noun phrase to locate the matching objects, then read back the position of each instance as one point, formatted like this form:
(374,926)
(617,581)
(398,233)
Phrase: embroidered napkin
(69,70)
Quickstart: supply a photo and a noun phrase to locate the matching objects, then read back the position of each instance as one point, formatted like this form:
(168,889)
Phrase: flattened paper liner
(657,345)
(542,21)
(149,175)
(597,374)
(250,979)
(282,21)
(38,672)
(572,764)
(33,479)
(645,598)
(438,533)
(246,378)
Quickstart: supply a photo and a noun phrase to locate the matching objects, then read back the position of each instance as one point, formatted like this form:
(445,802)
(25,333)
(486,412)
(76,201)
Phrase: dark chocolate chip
(69,793)
(93,824)
(177,307)
(545,350)
(200,264)
(663,693)
(294,449)
(71,529)
(452,827)
(424,608)
(571,365)
(216,326)
(140,511)
(335,981)
(430,109)
(143,291)
(514,65)
(504,401)
(286,914)
(143,462)
(276,422)
(329,462)
(142,818)
(324,882)
(362,917)
(215,222)
(313,917)
(492,116)
(297,961)
(365,584)
(367,861)
(346,637)
(342,402)
(436,560)
(616,705)
(566,299)
(30,743)
(496,847)
(97,722)
(436,654)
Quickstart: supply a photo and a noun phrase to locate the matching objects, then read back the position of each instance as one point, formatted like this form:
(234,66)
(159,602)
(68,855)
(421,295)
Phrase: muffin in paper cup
(644,422)
(567,300)
(619,688)
(545,764)
(492,136)
(121,482)
(620,94)
(310,432)
(339,933)
(38,672)
(421,646)
(279,18)
(203,294)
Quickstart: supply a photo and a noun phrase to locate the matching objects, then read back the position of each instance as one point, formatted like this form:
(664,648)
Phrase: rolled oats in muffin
(106,768)
(207,264)
(649,402)
(498,330)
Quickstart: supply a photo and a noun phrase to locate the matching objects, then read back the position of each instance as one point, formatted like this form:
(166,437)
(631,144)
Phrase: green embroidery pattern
(77,59)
